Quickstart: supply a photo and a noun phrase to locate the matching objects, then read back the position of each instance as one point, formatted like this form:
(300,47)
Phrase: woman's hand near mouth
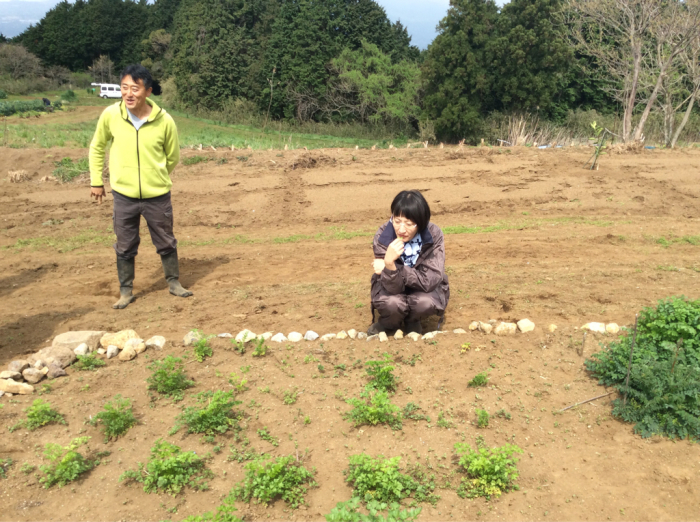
(393,252)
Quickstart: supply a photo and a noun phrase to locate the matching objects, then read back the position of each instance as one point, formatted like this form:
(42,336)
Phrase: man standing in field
(144,151)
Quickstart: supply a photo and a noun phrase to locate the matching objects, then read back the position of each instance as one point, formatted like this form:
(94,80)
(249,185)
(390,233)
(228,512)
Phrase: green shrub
(348,512)
(265,434)
(378,479)
(170,470)
(5,464)
(481,379)
(664,384)
(168,377)
(240,384)
(69,95)
(374,408)
(201,348)
(260,348)
(9,108)
(490,472)
(66,464)
(117,418)
(290,397)
(482,418)
(410,411)
(283,478)
(381,373)
(215,417)
(39,414)
(89,362)
(224,513)
(3,95)
(67,170)
(442,422)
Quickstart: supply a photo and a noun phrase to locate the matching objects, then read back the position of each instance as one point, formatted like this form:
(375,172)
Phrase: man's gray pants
(158,213)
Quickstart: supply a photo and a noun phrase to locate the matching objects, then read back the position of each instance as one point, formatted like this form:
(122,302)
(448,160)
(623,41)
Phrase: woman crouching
(409,281)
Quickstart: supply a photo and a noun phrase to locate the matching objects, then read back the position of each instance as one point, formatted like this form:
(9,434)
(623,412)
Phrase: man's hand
(393,253)
(98,193)
(378,266)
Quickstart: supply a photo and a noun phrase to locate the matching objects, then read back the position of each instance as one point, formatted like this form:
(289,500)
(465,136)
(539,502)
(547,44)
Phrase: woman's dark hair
(138,72)
(411,204)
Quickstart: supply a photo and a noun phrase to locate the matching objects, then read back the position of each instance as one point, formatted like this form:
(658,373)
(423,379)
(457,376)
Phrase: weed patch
(374,408)
(482,418)
(490,472)
(265,434)
(168,377)
(381,374)
(214,416)
(201,348)
(283,478)
(39,414)
(481,379)
(193,160)
(67,170)
(5,465)
(89,362)
(349,512)
(170,470)
(117,418)
(66,464)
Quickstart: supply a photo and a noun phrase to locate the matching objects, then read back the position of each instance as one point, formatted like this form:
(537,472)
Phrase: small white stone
(492,322)
(295,337)
(552,328)
(352,333)
(191,338)
(266,336)
(413,336)
(398,335)
(612,328)
(156,342)
(127,354)
(44,370)
(594,327)
(474,325)
(38,365)
(81,349)
(310,335)
(112,351)
(506,329)
(279,338)
(245,336)
(428,336)
(101,351)
(225,335)
(487,328)
(525,325)
(15,376)
(383,337)
(342,335)
(328,337)
(372,337)
(459,331)
(134,343)
(361,335)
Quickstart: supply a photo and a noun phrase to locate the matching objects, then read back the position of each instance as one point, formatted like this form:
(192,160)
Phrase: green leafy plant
(89,362)
(503,414)
(381,374)
(3,95)
(239,383)
(663,397)
(264,434)
(442,422)
(260,348)
(490,472)
(168,377)
(481,379)
(5,464)
(117,417)
(482,418)
(374,408)
(214,416)
(27,468)
(224,513)
(290,396)
(66,169)
(39,414)
(201,347)
(238,346)
(66,464)
(380,479)
(69,95)
(410,411)
(284,478)
(349,512)
(193,160)
(170,470)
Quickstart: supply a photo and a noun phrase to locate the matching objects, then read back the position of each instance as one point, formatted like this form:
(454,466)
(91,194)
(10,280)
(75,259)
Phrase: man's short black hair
(411,204)
(138,72)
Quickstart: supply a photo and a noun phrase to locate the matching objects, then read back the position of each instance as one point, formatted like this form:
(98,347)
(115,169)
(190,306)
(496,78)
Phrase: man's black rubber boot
(414,326)
(126,269)
(375,329)
(171,268)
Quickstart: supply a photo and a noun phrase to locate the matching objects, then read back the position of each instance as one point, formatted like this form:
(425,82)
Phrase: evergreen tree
(458,79)
(530,59)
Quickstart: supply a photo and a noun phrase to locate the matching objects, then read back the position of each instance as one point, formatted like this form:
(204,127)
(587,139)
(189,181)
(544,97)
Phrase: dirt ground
(281,241)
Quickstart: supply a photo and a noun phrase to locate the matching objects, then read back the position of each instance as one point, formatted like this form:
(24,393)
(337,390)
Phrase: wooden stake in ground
(629,366)
(588,400)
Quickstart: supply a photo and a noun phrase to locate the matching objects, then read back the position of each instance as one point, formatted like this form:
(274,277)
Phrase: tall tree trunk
(632,95)
(652,99)
(686,116)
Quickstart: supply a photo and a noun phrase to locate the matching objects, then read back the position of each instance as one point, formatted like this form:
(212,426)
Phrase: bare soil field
(281,241)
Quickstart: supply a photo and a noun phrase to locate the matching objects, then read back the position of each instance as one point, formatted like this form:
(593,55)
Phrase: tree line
(345,61)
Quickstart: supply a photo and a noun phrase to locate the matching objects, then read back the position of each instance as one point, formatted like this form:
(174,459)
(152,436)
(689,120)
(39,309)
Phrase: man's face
(134,93)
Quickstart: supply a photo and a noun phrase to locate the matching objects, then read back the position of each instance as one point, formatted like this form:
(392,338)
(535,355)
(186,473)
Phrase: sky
(419,16)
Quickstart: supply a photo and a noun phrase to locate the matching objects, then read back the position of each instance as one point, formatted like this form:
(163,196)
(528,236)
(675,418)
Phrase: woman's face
(405,228)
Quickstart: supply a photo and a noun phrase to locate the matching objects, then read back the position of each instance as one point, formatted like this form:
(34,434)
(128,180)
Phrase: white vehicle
(109,90)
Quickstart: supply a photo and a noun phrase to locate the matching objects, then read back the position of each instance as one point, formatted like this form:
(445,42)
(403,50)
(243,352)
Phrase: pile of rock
(611,328)
(51,362)
(502,328)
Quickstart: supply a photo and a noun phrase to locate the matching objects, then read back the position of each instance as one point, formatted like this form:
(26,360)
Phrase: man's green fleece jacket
(140,162)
